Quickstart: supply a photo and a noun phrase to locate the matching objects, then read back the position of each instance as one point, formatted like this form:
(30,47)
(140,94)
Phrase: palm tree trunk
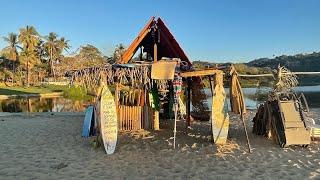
(14,72)
(28,73)
(51,63)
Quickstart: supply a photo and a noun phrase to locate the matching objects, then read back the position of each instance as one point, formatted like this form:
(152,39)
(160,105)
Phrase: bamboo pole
(271,75)
(255,75)
(246,132)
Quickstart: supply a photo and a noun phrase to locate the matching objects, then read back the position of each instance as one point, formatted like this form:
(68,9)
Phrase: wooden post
(117,105)
(188,102)
(211,85)
(211,81)
(155,52)
(29,105)
(156,120)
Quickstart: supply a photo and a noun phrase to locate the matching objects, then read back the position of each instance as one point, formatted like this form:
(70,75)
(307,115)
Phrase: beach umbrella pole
(175,125)
(246,132)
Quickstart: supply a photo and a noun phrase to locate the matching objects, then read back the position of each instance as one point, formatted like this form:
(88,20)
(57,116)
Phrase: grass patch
(72,92)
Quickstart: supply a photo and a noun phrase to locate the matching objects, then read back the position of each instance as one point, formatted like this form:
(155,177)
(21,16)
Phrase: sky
(217,31)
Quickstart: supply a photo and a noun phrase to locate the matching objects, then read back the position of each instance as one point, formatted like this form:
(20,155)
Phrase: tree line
(29,57)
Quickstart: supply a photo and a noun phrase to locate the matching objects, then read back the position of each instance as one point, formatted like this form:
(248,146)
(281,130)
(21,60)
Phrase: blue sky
(218,31)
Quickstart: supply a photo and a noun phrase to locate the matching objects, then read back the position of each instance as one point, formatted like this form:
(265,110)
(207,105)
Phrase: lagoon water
(253,96)
(36,104)
(61,104)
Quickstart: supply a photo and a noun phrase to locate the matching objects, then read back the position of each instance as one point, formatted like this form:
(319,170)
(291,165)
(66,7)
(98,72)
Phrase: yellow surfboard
(219,116)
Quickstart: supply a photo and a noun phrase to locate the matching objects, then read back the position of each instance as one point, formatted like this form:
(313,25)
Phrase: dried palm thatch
(285,82)
(136,76)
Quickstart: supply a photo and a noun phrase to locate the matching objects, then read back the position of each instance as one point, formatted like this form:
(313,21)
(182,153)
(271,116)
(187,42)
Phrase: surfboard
(108,120)
(219,116)
(87,122)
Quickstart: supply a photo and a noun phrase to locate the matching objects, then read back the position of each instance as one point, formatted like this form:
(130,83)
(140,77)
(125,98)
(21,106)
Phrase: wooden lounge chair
(295,131)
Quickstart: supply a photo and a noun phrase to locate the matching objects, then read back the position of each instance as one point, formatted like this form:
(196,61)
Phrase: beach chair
(292,128)
(314,128)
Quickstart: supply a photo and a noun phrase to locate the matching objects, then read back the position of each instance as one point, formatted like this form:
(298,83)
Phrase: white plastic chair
(314,128)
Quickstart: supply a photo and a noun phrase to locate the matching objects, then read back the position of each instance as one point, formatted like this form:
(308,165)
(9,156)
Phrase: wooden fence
(135,117)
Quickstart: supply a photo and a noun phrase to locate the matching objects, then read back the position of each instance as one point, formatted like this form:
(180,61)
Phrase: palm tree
(12,48)
(29,38)
(64,44)
(118,52)
(52,47)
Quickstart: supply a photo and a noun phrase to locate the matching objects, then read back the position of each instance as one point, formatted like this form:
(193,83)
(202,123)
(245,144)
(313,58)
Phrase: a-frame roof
(167,44)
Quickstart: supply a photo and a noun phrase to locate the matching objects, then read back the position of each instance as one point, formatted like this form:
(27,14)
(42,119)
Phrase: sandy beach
(50,146)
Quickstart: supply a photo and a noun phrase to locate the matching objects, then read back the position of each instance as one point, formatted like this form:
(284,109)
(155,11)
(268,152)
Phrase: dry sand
(45,146)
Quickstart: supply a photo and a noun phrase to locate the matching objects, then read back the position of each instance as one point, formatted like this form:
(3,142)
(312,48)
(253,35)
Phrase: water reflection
(56,104)
(253,97)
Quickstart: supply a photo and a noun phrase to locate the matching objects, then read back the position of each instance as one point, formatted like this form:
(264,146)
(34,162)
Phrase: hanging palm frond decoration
(286,80)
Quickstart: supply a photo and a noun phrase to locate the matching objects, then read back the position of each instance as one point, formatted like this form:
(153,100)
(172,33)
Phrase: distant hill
(299,62)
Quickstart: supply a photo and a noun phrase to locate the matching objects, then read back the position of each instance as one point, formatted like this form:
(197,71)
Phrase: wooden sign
(108,120)
(163,69)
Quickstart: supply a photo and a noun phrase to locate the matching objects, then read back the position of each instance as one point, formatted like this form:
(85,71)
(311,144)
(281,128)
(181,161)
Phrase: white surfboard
(108,120)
